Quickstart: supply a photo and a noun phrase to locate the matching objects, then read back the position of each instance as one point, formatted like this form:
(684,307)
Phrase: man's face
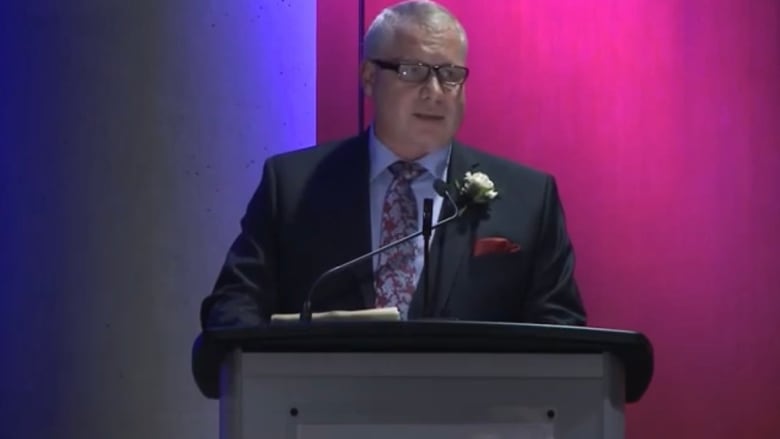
(417,117)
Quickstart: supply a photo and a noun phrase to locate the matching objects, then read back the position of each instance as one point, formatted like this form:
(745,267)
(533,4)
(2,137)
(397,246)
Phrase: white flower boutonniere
(477,188)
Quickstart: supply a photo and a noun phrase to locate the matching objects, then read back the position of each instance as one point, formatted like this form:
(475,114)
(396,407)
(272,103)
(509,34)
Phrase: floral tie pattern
(395,275)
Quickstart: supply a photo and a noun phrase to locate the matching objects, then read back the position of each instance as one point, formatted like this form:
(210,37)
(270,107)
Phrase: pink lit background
(661,122)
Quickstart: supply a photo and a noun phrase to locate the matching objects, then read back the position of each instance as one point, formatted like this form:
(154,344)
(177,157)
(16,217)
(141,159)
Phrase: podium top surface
(633,349)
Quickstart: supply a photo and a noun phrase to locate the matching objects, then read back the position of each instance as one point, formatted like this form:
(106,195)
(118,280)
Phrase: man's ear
(367,77)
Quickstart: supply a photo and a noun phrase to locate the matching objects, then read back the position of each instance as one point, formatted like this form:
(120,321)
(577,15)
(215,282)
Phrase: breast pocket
(501,268)
(497,280)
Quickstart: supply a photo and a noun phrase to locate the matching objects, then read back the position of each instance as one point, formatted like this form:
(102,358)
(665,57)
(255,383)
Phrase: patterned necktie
(395,275)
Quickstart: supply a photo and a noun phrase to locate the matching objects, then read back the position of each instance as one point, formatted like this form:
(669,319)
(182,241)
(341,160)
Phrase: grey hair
(425,13)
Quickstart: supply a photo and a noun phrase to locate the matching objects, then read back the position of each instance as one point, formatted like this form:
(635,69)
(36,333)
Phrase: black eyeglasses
(418,72)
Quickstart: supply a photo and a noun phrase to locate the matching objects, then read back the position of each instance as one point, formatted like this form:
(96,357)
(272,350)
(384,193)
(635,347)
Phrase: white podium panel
(421,395)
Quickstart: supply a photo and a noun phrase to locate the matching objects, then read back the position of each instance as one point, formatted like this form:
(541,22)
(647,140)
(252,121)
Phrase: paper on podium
(374,314)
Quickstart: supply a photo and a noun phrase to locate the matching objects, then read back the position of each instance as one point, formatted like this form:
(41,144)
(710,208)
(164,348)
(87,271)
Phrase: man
(508,258)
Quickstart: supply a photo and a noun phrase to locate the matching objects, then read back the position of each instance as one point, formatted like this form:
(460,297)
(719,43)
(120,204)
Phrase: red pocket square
(486,246)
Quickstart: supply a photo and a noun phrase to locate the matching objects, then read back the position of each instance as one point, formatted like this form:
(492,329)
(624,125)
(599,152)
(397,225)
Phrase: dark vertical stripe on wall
(361,32)
(338,91)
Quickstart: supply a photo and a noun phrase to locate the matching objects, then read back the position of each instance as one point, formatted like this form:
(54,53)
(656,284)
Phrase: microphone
(441,189)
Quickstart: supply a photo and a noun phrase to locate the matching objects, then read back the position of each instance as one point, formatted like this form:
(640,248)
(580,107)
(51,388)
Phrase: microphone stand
(427,228)
(306,312)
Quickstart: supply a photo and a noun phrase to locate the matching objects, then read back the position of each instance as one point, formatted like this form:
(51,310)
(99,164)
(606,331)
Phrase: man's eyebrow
(408,60)
(417,61)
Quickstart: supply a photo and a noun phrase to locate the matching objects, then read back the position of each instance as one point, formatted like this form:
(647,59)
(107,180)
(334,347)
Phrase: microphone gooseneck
(441,189)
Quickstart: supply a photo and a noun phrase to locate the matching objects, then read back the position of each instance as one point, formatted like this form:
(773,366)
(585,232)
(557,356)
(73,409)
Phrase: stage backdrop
(660,121)
(133,134)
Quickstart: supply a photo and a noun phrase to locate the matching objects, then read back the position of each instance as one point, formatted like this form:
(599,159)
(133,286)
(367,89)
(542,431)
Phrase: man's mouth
(429,117)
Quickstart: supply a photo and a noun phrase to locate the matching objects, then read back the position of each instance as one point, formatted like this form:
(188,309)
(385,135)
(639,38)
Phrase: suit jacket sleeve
(245,290)
(554,296)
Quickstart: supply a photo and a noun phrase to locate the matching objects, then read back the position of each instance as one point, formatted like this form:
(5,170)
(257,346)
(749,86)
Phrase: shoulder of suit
(312,153)
(489,161)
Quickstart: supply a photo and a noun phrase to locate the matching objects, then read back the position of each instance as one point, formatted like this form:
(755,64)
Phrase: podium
(422,379)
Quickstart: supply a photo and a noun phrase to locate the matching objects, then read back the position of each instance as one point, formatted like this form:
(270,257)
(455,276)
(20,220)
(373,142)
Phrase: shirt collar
(381,157)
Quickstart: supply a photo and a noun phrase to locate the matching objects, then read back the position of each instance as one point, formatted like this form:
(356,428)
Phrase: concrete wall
(131,135)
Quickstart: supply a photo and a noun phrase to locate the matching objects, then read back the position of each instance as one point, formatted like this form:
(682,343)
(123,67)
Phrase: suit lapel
(364,272)
(451,242)
(353,224)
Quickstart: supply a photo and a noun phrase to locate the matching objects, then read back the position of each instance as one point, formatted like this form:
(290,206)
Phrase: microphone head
(441,188)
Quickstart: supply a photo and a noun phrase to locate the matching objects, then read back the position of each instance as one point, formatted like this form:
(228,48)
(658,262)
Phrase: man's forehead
(431,47)
(415,32)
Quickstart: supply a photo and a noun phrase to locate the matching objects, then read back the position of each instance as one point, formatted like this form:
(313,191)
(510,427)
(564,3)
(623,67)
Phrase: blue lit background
(133,134)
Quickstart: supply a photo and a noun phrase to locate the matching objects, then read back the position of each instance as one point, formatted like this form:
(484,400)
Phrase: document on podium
(374,314)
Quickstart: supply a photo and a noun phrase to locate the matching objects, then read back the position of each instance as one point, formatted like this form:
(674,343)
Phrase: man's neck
(381,157)
(405,151)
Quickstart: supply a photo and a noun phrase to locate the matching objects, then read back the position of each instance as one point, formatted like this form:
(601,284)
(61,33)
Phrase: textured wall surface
(133,134)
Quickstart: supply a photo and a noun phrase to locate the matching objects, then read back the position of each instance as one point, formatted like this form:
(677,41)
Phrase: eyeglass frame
(396,66)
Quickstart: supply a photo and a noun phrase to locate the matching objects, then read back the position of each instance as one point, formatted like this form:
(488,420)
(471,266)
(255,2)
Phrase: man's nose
(432,88)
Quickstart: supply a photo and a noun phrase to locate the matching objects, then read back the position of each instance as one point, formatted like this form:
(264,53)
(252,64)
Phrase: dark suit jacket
(311,212)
